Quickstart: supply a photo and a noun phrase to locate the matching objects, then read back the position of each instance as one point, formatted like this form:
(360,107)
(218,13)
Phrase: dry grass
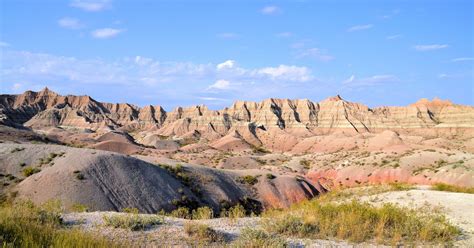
(202,233)
(26,225)
(255,238)
(344,194)
(452,188)
(132,221)
(359,222)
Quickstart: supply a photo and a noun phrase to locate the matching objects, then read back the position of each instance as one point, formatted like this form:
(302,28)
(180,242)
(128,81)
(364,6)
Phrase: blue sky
(214,52)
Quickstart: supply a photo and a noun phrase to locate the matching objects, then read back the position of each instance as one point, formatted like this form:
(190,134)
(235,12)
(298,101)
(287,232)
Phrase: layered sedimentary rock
(257,122)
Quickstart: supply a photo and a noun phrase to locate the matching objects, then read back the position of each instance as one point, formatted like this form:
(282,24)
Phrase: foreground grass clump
(452,188)
(132,220)
(347,194)
(254,238)
(201,232)
(28,171)
(359,222)
(26,225)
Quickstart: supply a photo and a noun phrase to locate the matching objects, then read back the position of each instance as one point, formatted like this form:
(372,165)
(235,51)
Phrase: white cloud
(105,33)
(424,48)
(360,27)
(22,66)
(220,84)
(228,36)
(269,10)
(91,5)
(315,53)
(349,80)
(228,64)
(284,34)
(393,37)
(70,23)
(353,81)
(443,75)
(288,73)
(462,59)
(4,44)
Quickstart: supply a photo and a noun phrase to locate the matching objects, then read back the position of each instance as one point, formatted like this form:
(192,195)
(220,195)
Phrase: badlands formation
(259,154)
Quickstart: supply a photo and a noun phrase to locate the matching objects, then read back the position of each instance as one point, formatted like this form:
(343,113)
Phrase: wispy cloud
(105,33)
(71,23)
(354,82)
(270,10)
(91,5)
(145,75)
(4,44)
(423,48)
(393,37)
(315,53)
(360,27)
(228,64)
(462,59)
(220,84)
(284,34)
(228,35)
(391,14)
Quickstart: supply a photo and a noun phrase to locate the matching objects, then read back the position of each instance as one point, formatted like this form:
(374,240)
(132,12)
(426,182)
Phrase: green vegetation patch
(132,221)
(25,225)
(452,188)
(202,233)
(28,171)
(359,222)
(255,238)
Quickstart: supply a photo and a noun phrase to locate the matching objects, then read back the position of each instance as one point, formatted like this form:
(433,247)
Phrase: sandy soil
(456,206)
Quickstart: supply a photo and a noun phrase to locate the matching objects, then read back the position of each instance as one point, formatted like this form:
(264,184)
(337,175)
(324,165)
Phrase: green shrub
(132,221)
(181,212)
(202,233)
(237,211)
(28,171)
(26,225)
(202,213)
(359,222)
(248,179)
(254,238)
(269,176)
(79,208)
(452,188)
(305,163)
(259,149)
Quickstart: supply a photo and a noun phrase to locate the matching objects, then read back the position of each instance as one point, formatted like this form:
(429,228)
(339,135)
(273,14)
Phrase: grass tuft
(25,225)
(359,222)
(254,238)
(452,188)
(202,232)
(132,221)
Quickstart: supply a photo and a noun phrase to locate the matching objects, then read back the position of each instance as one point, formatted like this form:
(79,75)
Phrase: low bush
(254,238)
(452,188)
(28,171)
(248,179)
(132,221)
(237,211)
(25,225)
(79,208)
(359,222)
(202,213)
(181,212)
(202,233)
(305,163)
(269,176)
